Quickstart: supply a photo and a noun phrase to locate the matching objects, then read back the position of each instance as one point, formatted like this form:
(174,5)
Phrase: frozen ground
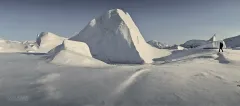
(185,78)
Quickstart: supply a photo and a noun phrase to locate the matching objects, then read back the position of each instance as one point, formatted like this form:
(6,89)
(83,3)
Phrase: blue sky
(169,21)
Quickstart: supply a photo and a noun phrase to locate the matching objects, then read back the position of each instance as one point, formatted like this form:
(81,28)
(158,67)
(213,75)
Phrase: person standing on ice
(221,47)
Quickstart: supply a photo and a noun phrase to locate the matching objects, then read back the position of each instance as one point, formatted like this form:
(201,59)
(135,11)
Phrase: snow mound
(47,41)
(157,44)
(114,38)
(233,42)
(73,53)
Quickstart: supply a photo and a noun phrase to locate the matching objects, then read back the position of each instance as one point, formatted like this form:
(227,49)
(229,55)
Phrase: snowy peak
(114,12)
(46,37)
(47,41)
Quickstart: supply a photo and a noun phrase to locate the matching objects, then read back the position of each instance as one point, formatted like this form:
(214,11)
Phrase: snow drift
(233,42)
(73,53)
(157,44)
(114,38)
(27,81)
(47,41)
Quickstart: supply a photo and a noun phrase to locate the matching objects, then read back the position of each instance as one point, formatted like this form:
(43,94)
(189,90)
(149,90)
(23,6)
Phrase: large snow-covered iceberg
(233,42)
(114,38)
(47,41)
(73,53)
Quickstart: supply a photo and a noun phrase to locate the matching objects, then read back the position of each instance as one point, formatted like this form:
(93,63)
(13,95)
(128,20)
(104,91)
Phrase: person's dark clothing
(221,47)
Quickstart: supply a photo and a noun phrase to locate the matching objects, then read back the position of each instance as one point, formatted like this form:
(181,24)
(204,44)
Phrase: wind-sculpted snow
(27,80)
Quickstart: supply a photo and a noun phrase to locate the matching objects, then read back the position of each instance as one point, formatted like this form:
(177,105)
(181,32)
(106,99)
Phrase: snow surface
(47,41)
(73,53)
(114,38)
(199,77)
(233,42)
(157,44)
